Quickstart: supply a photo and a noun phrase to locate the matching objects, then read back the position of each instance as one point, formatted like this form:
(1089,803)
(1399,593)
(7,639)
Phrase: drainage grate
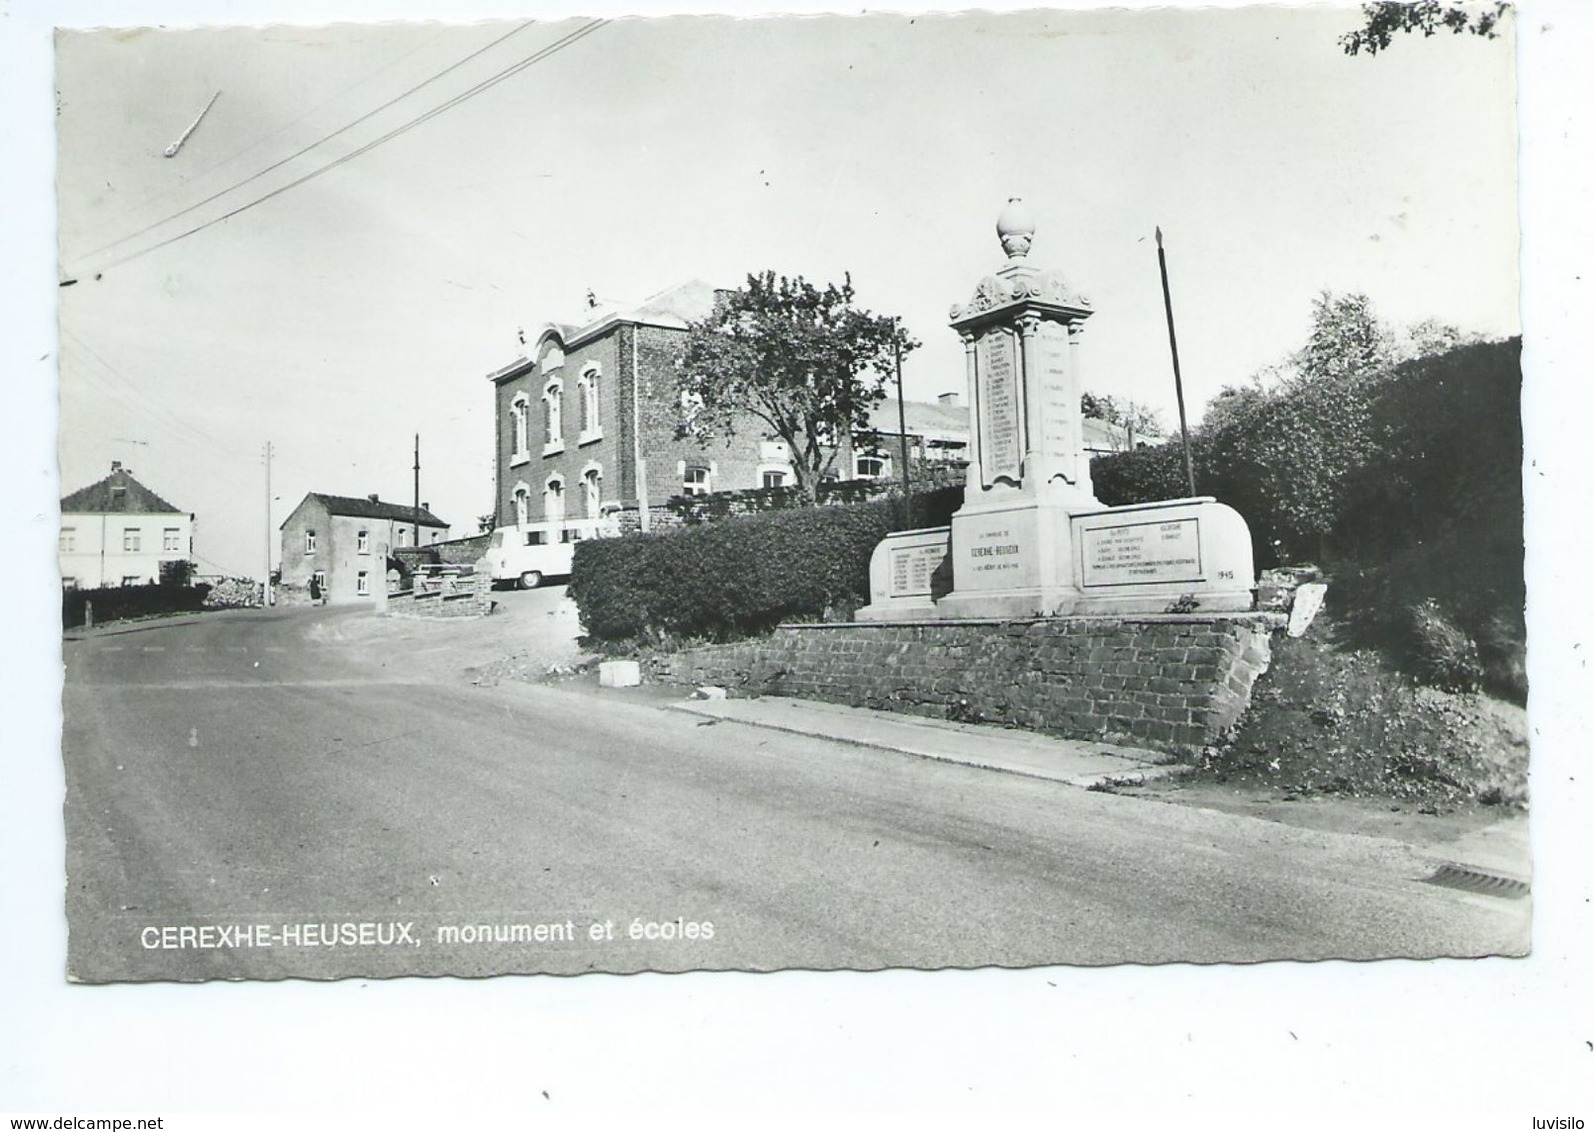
(1472,880)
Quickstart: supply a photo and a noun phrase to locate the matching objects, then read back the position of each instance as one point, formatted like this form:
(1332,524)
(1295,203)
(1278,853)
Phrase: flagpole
(1173,346)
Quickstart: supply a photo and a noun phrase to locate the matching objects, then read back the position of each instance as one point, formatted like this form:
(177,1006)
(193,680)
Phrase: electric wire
(398,131)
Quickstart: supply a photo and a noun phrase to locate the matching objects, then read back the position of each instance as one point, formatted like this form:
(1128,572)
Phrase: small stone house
(336,546)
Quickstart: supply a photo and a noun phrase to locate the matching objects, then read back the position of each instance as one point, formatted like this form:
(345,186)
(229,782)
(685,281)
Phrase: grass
(1337,719)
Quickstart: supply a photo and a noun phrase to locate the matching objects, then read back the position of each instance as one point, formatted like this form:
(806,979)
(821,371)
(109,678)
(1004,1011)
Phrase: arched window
(522,504)
(553,396)
(521,449)
(592,490)
(587,390)
(553,500)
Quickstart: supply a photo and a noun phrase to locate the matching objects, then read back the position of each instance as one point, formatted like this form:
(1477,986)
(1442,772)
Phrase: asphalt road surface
(249,795)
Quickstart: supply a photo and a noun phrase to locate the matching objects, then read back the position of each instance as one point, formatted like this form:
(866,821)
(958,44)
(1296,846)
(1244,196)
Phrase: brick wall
(1170,682)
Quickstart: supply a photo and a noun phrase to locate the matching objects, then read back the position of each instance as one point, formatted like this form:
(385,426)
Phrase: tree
(1139,422)
(1233,405)
(1346,340)
(1384,20)
(802,361)
(177,572)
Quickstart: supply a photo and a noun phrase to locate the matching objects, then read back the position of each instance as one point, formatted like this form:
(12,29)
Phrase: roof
(935,421)
(116,493)
(365,508)
(929,419)
(673,308)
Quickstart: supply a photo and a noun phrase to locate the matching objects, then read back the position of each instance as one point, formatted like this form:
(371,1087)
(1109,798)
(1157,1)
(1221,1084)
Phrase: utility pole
(1173,345)
(902,422)
(265,590)
(417,513)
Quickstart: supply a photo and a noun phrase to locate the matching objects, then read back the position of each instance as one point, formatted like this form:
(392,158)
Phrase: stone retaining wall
(1171,682)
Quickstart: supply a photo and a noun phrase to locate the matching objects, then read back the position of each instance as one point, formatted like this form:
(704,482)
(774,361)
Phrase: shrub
(1446,657)
(740,576)
(117,603)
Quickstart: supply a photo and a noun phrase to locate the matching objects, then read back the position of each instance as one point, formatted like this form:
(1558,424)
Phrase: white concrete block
(619,674)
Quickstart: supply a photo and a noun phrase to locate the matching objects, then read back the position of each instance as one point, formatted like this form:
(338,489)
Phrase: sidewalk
(978,745)
(1495,855)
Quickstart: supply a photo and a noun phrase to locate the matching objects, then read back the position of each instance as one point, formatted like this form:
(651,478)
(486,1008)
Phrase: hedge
(117,603)
(742,575)
(1358,464)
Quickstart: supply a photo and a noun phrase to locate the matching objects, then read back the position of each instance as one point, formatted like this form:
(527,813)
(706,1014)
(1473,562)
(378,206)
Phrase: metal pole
(417,514)
(265,586)
(902,423)
(1173,345)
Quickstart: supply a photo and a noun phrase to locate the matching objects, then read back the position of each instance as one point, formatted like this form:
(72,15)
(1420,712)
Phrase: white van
(526,555)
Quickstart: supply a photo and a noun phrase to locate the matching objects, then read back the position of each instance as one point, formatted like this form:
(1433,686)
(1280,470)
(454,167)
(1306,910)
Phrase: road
(282,794)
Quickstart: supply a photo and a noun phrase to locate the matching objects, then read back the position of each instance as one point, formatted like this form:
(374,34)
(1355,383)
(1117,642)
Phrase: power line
(479,88)
(313,145)
(138,400)
(257,143)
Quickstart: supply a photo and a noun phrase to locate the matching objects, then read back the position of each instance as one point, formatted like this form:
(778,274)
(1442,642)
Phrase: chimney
(950,400)
(372,497)
(116,465)
(426,506)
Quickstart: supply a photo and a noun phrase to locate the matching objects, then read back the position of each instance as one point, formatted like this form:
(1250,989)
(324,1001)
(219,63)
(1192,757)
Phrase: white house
(118,532)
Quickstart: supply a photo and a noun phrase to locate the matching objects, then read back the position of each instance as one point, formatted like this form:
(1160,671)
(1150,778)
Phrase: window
(68,539)
(362,542)
(319,580)
(69,583)
(362,583)
(695,481)
(587,388)
(553,500)
(118,498)
(592,490)
(131,579)
(132,541)
(774,479)
(434,535)
(553,417)
(519,435)
(169,540)
(522,505)
(403,536)
(869,467)
(309,542)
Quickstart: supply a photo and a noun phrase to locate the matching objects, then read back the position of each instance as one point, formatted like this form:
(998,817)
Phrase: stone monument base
(1024,560)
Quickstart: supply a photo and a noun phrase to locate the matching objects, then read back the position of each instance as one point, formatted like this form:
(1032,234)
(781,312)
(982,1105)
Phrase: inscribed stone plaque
(1001,435)
(1142,553)
(996,552)
(1059,410)
(911,567)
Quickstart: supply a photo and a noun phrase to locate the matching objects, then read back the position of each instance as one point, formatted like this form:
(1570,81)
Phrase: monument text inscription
(1001,429)
(911,567)
(1142,553)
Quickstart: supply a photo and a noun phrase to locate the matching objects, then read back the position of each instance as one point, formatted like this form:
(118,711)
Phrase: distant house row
(586,419)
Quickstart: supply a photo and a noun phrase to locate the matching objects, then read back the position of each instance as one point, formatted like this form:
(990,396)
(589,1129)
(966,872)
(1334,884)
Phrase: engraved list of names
(1001,441)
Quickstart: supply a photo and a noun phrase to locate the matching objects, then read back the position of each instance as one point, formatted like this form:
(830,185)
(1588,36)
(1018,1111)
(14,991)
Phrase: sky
(339,317)
(319,319)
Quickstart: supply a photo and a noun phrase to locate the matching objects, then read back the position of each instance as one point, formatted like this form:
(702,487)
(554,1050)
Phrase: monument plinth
(1031,539)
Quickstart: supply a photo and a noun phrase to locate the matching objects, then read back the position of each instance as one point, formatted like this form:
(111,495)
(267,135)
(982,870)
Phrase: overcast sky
(345,314)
